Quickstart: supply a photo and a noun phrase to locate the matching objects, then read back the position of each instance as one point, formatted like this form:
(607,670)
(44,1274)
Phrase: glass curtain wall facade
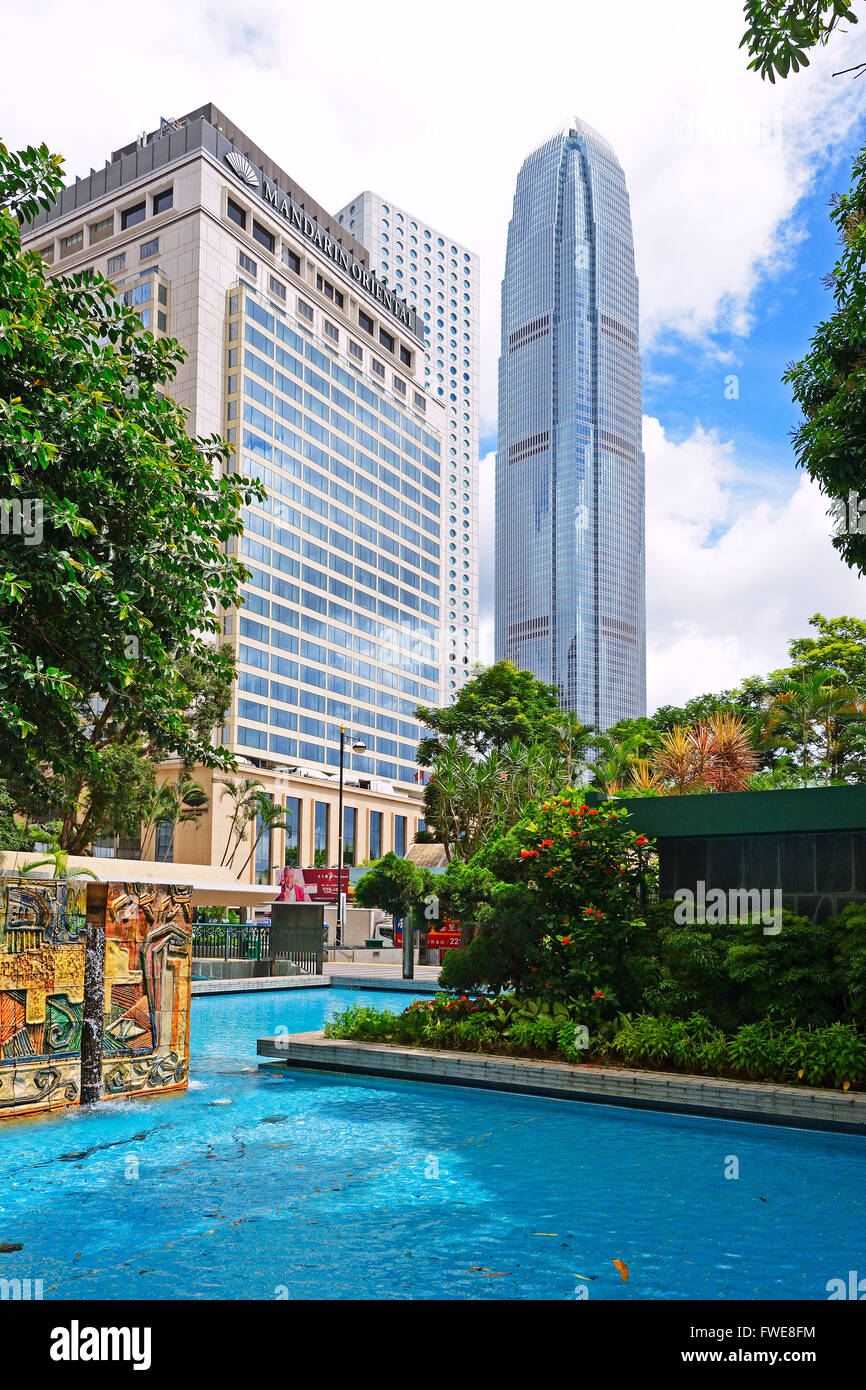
(440,278)
(341,613)
(570,598)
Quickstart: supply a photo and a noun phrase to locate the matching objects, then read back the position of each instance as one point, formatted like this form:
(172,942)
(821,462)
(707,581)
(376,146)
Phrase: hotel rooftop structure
(313,369)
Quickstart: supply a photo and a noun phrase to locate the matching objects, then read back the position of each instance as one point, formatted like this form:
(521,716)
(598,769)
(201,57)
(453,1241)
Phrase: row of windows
(286,334)
(296,849)
(242,218)
(106,226)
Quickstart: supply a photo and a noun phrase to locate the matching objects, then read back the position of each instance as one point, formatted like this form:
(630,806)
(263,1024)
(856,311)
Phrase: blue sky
(682,387)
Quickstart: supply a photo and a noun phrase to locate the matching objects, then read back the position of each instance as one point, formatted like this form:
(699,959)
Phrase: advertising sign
(324,884)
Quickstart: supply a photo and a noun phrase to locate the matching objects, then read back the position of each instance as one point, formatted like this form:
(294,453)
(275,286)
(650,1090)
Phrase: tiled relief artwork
(142,971)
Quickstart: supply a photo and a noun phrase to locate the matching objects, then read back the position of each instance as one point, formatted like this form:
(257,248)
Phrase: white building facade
(439,279)
(313,369)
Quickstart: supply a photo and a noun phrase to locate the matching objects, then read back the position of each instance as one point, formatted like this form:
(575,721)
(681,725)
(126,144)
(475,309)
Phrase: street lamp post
(359,746)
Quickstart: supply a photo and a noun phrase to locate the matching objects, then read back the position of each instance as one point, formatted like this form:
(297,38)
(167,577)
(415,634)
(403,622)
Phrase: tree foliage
(779,32)
(108,618)
(498,705)
(395,885)
(829,383)
(553,906)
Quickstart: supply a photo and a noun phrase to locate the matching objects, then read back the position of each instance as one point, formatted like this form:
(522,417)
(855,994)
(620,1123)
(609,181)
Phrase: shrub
(557,903)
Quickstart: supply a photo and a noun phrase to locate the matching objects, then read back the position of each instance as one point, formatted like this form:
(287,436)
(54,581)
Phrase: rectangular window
(162,294)
(329,291)
(236,213)
(101,229)
(350,817)
(148,248)
(164,849)
(262,856)
(400,385)
(400,836)
(291,259)
(163,201)
(264,237)
(161,321)
(320,834)
(247,263)
(293,832)
(365,322)
(405,356)
(378,368)
(331,331)
(116,263)
(386,340)
(47,253)
(72,242)
(130,217)
(356,350)
(276,288)
(420,402)
(304,310)
(375,850)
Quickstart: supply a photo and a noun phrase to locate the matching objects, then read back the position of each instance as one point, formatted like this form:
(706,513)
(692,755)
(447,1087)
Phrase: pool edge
(715,1098)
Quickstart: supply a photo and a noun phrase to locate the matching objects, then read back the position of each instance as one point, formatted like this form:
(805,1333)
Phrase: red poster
(322,884)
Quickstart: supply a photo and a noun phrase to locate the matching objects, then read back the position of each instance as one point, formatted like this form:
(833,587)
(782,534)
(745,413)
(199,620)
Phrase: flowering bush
(561,910)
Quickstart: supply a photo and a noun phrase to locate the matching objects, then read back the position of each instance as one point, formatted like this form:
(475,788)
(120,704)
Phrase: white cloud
(737,563)
(441,116)
(738,560)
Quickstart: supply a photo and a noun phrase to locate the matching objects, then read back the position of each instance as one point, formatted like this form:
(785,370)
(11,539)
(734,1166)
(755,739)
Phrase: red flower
(572,812)
(547,844)
(528,853)
(641,840)
(566,941)
(535,969)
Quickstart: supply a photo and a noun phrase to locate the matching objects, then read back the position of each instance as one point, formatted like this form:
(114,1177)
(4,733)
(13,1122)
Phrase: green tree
(110,594)
(269,816)
(829,383)
(554,904)
(840,646)
(396,886)
(810,709)
(780,31)
(499,704)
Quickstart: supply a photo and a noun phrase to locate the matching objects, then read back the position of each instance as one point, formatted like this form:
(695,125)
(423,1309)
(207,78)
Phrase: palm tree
(809,702)
(269,816)
(244,796)
(613,769)
(175,803)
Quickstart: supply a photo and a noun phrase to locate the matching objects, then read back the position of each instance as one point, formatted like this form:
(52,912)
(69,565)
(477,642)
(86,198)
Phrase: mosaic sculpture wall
(94,991)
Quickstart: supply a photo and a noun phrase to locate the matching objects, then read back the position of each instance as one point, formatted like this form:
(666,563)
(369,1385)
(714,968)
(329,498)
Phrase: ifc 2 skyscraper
(570,534)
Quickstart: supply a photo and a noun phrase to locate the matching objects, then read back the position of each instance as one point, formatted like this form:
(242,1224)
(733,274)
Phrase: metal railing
(230,941)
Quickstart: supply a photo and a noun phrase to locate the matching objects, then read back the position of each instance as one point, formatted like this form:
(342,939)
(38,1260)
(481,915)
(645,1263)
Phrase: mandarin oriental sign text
(310,230)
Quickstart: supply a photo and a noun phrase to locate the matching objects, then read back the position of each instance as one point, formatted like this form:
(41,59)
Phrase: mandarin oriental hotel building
(312,368)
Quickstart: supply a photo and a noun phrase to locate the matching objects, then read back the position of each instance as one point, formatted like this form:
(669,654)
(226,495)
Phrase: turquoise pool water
(265,1184)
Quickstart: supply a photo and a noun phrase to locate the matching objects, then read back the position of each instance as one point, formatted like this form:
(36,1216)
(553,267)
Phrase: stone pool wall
(94,991)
